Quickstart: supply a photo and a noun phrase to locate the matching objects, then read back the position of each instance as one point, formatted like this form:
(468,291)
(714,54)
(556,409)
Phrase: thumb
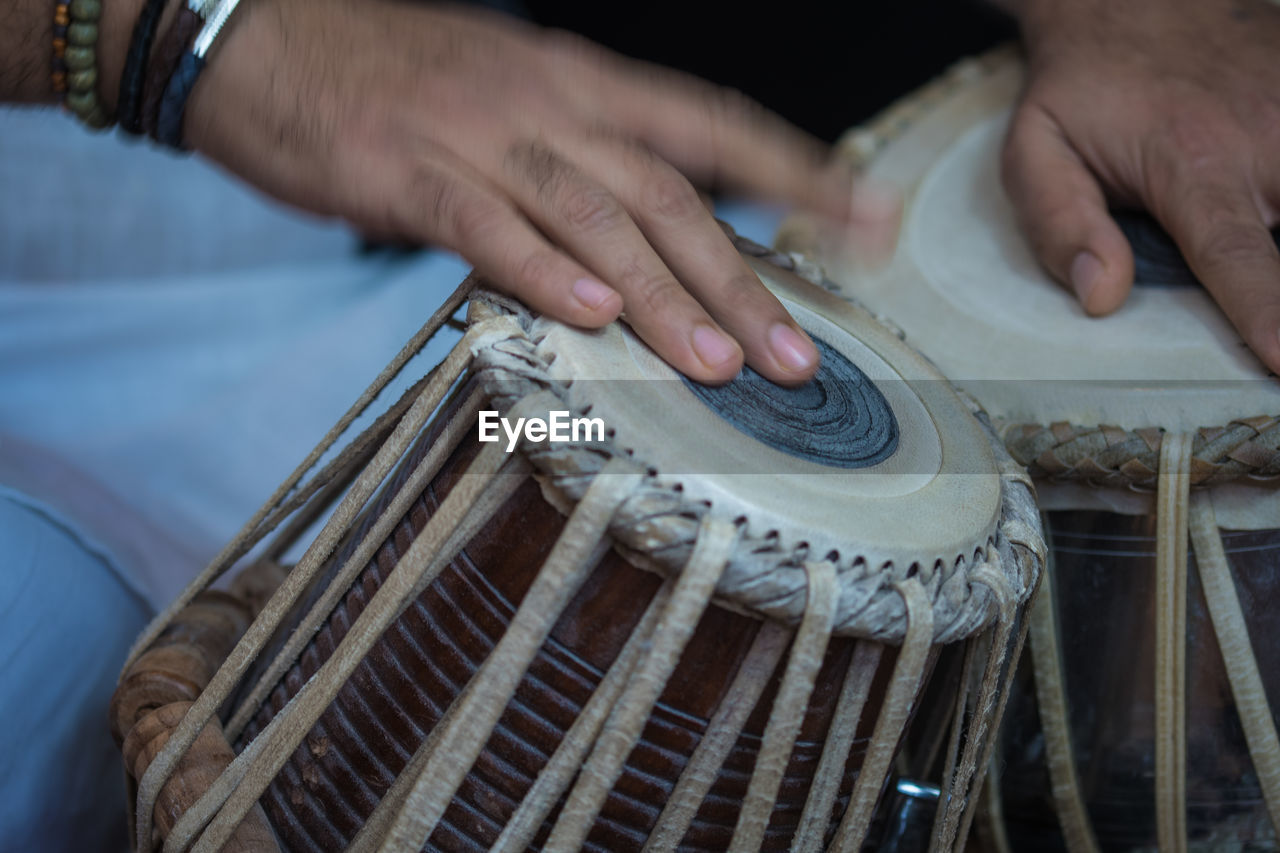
(1064,213)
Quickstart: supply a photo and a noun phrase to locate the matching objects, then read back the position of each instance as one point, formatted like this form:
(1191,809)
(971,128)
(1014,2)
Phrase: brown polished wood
(158,688)
(179,664)
(196,771)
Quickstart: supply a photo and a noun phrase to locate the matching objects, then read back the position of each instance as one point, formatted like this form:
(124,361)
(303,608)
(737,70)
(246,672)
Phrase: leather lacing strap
(960,791)
(1171,642)
(819,804)
(422,474)
(1238,658)
(960,712)
(1009,636)
(559,771)
(258,526)
(807,651)
(490,481)
(276,610)
(290,494)
(723,731)
(1051,700)
(580,546)
(690,597)
(904,688)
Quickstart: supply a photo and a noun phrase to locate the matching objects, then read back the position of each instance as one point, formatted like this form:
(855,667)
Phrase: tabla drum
(1144,717)
(703,619)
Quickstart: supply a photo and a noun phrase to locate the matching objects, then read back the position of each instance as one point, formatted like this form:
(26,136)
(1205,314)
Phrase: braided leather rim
(1248,448)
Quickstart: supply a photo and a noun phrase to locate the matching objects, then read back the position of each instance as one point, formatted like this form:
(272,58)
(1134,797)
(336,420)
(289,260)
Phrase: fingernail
(591,293)
(793,350)
(713,347)
(1086,272)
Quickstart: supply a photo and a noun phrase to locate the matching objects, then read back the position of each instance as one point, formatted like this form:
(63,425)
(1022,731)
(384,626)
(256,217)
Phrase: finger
(722,138)
(443,202)
(694,247)
(583,216)
(1228,246)
(1064,213)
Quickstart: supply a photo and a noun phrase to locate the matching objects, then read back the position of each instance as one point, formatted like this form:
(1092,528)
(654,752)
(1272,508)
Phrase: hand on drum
(1169,106)
(555,167)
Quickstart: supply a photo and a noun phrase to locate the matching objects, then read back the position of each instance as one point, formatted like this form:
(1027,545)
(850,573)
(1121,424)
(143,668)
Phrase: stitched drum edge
(1111,457)
(859,146)
(656,526)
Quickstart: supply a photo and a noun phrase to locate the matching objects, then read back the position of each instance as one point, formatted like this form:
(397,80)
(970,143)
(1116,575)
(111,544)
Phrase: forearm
(26,49)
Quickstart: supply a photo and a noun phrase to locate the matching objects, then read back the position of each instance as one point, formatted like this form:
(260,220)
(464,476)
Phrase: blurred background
(823,65)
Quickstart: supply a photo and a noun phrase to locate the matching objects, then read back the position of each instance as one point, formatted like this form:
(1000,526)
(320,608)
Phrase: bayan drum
(1146,715)
(703,619)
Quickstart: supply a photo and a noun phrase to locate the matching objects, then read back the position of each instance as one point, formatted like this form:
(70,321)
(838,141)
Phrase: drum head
(876,458)
(968,292)
(876,465)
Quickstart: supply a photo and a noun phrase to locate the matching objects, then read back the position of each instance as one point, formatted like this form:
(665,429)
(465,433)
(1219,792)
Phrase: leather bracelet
(177,41)
(129,102)
(173,104)
(76,59)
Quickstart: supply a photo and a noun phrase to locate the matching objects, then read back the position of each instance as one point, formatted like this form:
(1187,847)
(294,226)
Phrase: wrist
(26,53)
(235,66)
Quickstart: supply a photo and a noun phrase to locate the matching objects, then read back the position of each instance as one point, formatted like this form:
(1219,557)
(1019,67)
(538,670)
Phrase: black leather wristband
(173,104)
(176,41)
(129,103)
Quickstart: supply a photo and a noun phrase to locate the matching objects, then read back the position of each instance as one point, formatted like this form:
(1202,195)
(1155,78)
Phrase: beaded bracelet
(129,102)
(61,20)
(173,104)
(75,60)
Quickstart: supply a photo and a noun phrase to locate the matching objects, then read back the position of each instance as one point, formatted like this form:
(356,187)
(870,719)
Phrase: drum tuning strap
(689,598)
(579,548)
(723,731)
(1051,700)
(422,474)
(298,580)
(1172,497)
(553,780)
(243,782)
(807,651)
(904,686)
(835,752)
(258,527)
(1183,520)
(1240,662)
(959,799)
